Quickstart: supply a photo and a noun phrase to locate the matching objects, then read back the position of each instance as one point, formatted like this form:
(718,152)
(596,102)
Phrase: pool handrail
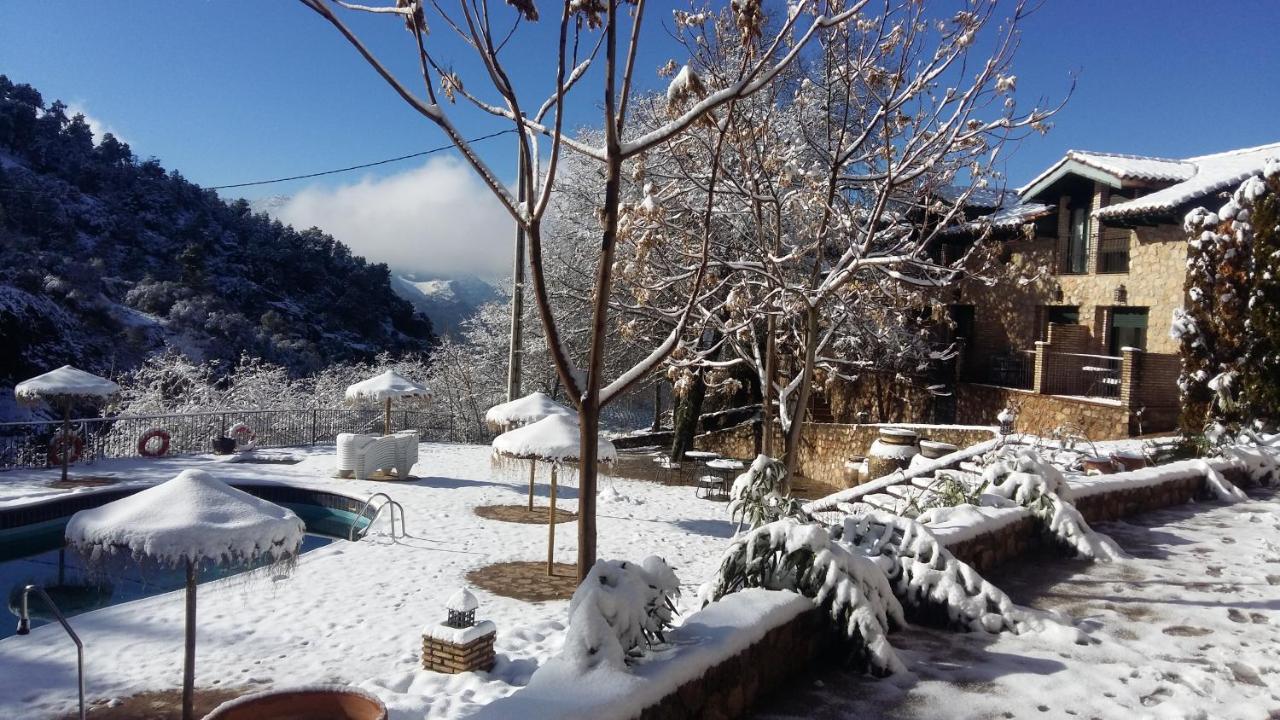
(355,522)
(24,628)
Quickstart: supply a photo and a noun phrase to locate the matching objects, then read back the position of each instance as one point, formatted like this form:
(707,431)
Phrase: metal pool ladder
(387,502)
(24,627)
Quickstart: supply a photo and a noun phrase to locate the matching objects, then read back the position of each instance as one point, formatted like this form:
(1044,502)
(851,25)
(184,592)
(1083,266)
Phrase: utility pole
(515,356)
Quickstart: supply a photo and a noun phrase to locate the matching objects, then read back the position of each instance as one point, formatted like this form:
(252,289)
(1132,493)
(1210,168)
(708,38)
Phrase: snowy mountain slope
(447,301)
(105,259)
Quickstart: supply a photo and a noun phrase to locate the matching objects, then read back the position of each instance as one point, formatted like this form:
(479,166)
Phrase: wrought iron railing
(1097,376)
(1011,369)
(27,444)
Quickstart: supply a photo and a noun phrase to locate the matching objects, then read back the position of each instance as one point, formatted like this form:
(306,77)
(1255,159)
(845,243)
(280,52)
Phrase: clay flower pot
(1129,460)
(1099,465)
(336,702)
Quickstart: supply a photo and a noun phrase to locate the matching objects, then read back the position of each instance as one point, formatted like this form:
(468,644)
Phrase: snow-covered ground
(354,612)
(1189,628)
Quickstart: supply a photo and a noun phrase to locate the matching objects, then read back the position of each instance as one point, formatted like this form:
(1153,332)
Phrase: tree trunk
(767,392)
(515,354)
(657,406)
(684,423)
(386,418)
(802,401)
(66,443)
(189,659)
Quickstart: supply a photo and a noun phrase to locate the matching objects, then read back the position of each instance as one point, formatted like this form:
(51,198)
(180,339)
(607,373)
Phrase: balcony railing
(1097,376)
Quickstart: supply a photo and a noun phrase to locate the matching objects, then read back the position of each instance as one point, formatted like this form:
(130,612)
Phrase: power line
(357,167)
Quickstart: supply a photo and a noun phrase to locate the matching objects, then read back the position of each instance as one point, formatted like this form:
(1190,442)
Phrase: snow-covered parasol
(554,439)
(384,388)
(190,521)
(63,388)
(522,411)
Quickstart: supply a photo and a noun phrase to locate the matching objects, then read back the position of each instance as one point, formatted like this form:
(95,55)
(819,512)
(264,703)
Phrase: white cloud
(438,218)
(98,127)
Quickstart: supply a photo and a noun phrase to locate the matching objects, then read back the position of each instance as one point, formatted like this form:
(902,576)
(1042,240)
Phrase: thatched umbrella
(63,388)
(552,440)
(384,388)
(190,521)
(522,411)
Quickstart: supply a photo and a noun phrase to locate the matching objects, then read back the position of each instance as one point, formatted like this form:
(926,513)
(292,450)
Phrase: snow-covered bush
(757,496)
(618,610)
(805,557)
(930,582)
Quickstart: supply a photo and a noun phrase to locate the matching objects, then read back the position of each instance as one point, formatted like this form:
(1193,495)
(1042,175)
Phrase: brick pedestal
(473,650)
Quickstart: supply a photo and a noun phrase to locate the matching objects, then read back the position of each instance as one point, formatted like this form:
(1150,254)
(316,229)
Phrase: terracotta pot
(933,450)
(1129,461)
(1100,465)
(336,703)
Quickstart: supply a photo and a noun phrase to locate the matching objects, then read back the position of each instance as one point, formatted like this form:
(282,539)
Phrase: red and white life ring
(58,445)
(243,434)
(144,443)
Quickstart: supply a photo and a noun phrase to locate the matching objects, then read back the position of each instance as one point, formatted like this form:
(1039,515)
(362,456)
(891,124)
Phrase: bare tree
(586,29)
(836,189)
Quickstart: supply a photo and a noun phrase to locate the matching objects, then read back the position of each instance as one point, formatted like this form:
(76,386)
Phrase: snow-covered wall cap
(462,601)
(193,517)
(389,384)
(64,383)
(522,411)
(553,438)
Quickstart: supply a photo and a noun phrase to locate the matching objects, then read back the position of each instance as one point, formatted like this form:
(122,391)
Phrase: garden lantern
(461,607)
(1006,418)
(1122,295)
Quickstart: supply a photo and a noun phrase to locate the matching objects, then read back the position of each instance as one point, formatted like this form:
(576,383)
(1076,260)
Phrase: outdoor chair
(359,456)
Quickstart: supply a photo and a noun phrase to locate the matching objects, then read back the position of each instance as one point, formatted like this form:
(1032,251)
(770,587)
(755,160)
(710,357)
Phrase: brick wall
(1099,419)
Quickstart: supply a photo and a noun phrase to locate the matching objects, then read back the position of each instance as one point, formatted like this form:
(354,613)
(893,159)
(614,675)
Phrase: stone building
(1090,268)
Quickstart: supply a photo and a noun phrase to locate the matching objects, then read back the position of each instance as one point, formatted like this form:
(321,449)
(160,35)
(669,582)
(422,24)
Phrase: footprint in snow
(1234,615)
(1185,631)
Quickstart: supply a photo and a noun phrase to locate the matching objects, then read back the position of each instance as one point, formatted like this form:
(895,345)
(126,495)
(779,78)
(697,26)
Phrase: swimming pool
(32,551)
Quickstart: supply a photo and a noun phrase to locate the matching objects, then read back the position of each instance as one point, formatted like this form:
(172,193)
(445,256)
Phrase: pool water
(37,557)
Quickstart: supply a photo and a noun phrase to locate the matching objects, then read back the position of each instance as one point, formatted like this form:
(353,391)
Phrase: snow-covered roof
(1187,178)
(1008,218)
(193,517)
(988,198)
(1212,173)
(522,411)
(65,382)
(553,438)
(389,384)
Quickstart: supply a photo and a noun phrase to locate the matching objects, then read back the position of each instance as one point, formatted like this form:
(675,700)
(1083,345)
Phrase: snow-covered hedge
(619,609)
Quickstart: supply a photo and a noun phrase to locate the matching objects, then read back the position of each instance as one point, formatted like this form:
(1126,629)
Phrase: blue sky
(238,90)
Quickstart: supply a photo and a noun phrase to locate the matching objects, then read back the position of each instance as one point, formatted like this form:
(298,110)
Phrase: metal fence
(26,445)
(1012,369)
(1096,376)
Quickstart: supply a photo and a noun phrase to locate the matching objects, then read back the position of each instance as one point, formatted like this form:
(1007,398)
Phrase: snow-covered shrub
(1026,479)
(930,582)
(804,557)
(757,497)
(618,610)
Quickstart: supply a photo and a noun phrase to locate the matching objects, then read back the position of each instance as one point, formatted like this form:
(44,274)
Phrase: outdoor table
(701,455)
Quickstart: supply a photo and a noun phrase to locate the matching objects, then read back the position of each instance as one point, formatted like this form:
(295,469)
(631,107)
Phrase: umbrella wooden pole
(551,525)
(386,419)
(189,661)
(66,443)
(533,466)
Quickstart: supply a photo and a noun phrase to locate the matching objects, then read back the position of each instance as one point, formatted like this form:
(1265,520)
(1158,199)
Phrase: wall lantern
(1122,295)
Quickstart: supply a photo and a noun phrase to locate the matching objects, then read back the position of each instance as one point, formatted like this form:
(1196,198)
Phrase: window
(1113,251)
(1058,315)
(962,322)
(1128,329)
(1077,255)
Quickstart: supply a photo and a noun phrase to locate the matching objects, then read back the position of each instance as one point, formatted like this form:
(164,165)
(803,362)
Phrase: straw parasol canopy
(384,388)
(63,388)
(522,411)
(192,520)
(553,439)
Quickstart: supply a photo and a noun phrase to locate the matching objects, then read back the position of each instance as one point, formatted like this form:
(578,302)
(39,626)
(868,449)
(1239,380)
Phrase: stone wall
(825,447)
(876,397)
(1099,419)
(729,689)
